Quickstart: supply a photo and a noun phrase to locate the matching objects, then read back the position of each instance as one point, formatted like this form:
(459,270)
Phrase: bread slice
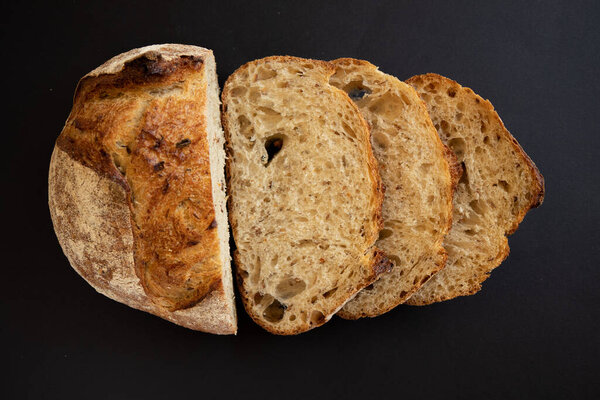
(137,190)
(417,207)
(305,194)
(499,184)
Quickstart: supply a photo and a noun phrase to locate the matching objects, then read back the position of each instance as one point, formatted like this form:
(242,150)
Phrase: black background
(533,331)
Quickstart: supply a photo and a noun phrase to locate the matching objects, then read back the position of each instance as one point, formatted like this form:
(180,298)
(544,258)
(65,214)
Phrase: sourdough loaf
(305,194)
(417,208)
(137,190)
(499,184)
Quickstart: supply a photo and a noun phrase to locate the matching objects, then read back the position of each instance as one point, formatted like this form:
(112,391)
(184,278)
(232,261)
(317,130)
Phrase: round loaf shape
(136,186)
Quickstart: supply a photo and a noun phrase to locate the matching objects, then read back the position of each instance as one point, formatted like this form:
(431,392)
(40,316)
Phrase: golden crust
(375,258)
(138,220)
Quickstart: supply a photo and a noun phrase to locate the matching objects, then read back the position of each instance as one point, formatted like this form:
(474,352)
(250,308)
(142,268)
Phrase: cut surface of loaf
(305,194)
(137,188)
(499,184)
(417,207)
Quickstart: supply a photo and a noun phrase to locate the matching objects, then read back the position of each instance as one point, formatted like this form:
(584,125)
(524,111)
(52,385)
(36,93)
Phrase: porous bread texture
(142,155)
(417,207)
(499,184)
(305,195)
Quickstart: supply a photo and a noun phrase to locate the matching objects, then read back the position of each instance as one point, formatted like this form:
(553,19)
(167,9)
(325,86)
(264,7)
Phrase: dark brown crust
(103,101)
(377,262)
(538,191)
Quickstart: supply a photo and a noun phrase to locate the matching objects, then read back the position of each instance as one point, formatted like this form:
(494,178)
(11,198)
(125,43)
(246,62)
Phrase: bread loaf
(305,194)
(499,184)
(417,207)
(137,190)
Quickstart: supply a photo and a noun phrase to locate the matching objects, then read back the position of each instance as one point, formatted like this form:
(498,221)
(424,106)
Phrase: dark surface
(533,332)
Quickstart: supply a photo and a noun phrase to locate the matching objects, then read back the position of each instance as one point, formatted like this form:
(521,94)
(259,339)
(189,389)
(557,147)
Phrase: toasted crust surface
(292,274)
(417,208)
(130,187)
(498,184)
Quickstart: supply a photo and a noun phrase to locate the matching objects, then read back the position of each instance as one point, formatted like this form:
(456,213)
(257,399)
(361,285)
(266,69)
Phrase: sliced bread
(499,184)
(417,207)
(304,193)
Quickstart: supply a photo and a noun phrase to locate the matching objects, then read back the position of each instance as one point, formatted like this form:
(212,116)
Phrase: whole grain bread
(499,184)
(417,208)
(137,189)
(305,195)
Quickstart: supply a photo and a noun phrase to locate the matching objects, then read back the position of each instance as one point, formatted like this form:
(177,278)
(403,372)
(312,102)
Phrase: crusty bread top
(499,184)
(305,195)
(139,120)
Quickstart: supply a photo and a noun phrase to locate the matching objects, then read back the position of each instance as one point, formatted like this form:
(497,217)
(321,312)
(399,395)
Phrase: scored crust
(375,259)
(457,279)
(90,198)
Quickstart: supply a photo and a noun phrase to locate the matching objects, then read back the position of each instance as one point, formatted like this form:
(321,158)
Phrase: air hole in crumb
(483,127)
(385,233)
(290,287)
(504,185)
(264,73)
(292,317)
(425,167)
(258,298)
(245,127)
(370,287)
(445,127)
(358,94)
(313,300)
(349,131)
(395,260)
(274,312)
(478,206)
(464,178)
(356,90)
(486,140)
(451,92)
(237,91)
(458,146)
(330,293)
(273,145)
(380,139)
(317,317)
